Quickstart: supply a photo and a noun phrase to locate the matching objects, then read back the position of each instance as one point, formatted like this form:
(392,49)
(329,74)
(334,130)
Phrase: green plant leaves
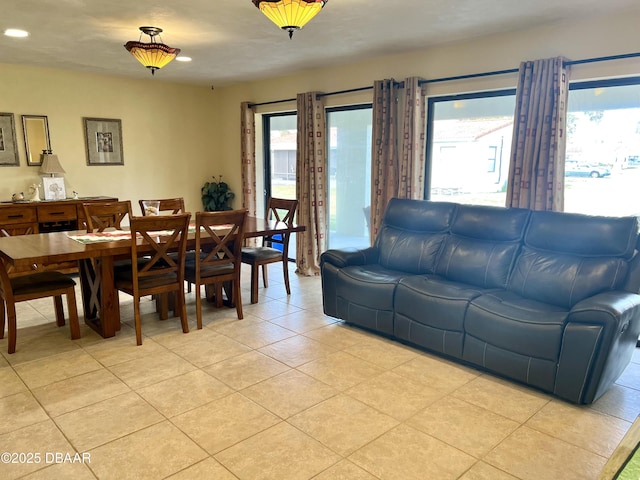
(216,196)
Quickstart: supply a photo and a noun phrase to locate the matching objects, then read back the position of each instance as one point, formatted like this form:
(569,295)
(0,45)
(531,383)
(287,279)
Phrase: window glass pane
(349,176)
(469,145)
(602,167)
(281,132)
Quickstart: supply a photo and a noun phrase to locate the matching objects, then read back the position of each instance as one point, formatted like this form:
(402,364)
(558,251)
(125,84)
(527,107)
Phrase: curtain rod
(463,77)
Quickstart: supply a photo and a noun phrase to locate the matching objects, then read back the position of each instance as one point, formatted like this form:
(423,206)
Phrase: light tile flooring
(286,393)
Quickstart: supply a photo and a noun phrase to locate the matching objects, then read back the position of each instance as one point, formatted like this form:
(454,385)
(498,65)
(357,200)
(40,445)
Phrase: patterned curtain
(248,156)
(248,152)
(413,141)
(311,192)
(384,165)
(536,171)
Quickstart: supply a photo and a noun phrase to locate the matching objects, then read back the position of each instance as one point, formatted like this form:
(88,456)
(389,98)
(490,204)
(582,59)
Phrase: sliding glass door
(349,175)
(280,137)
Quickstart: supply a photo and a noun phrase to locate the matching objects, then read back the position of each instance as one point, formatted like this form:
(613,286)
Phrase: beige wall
(587,39)
(167,132)
(176,136)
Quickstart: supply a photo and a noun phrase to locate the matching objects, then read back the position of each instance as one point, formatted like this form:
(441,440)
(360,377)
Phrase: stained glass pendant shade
(290,15)
(152,55)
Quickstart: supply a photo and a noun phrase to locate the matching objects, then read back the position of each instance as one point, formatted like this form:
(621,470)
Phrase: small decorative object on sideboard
(34,192)
(216,195)
(17,197)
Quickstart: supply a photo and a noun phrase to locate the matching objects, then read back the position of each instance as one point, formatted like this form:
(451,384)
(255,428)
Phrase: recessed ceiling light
(183,59)
(15,32)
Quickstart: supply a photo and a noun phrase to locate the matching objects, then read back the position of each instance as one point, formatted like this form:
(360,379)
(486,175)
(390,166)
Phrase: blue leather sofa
(547,299)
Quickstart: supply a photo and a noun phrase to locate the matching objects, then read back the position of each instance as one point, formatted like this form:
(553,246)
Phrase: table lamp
(50,164)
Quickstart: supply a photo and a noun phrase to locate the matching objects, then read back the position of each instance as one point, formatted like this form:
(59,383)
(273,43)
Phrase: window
(602,167)
(468,147)
(280,137)
(349,131)
(280,131)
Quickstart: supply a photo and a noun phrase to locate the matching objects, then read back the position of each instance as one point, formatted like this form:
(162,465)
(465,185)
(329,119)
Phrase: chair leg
(218,288)
(57,301)
(11,325)
(254,283)
(199,306)
(136,314)
(72,308)
(179,306)
(162,305)
(265,276)
(237,298)
(285,269)
(2,317)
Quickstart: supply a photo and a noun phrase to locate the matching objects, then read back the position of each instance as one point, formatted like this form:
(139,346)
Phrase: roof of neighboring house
(466,130)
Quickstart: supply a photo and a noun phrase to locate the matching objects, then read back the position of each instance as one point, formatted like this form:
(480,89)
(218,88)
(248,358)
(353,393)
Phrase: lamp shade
(290,15)
(152,55)
(50,163)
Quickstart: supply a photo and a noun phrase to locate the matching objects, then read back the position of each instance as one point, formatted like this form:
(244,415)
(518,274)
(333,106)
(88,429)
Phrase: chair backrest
(102,215)
(219,236)
(280,210)
(173,205)
(156,237)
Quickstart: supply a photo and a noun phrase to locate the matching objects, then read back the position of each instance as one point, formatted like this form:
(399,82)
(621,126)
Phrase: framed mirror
(36,137)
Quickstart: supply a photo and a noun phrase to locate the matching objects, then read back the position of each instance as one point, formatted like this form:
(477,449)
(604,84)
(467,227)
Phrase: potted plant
(216,195)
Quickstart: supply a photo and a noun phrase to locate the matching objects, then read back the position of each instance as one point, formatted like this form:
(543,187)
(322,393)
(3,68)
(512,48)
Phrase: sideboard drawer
(22,214)
(56,213)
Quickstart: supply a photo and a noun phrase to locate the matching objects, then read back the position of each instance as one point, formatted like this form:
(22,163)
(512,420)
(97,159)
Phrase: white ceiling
(232,41)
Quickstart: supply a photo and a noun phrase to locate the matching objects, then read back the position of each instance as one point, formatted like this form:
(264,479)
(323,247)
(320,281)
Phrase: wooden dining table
(95,264)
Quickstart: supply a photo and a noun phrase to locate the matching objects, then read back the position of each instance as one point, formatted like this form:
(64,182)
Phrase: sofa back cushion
(411,234)
(483,244)
(569,257)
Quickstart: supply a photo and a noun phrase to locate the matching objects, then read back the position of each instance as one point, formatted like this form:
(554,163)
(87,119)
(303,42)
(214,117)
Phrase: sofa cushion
(371,285)
(411,236)
(434,301)
(513,323)
(365,296)
(564,280)
(429,312)
(582,235)
(483,245)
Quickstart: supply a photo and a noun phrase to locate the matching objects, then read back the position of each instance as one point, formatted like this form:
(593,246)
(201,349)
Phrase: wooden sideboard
(24,218)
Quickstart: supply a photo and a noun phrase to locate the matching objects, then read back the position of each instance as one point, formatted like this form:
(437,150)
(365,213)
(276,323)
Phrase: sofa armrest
(614,309)
(345,257)
(331,262)
(599,338)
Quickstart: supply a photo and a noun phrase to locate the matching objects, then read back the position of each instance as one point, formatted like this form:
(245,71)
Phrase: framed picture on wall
(103,137)
(8,146)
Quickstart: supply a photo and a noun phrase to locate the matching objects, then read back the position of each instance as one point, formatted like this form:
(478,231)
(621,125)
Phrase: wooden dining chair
(153,271)
(29,287)
(173,205)
(281,210)
(102,215)
(219,237)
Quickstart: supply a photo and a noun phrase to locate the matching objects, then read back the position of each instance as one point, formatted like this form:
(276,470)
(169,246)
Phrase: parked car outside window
(573,168)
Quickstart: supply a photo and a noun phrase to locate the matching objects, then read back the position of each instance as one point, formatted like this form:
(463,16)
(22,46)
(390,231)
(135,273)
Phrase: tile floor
(286,393)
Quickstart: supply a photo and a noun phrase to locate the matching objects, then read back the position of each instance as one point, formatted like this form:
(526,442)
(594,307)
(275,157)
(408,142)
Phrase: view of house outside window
(470,142)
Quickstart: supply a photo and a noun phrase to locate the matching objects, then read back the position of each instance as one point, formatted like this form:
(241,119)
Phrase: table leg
(99,296)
